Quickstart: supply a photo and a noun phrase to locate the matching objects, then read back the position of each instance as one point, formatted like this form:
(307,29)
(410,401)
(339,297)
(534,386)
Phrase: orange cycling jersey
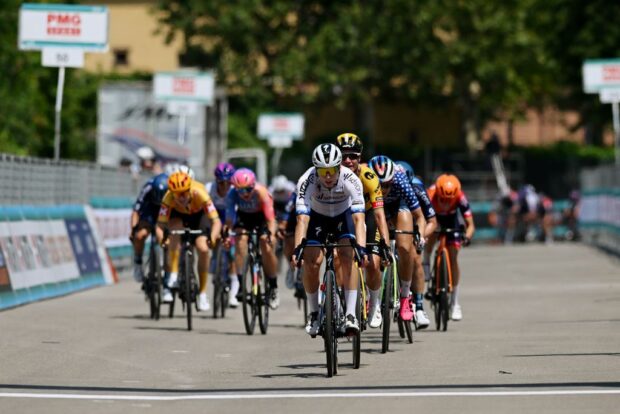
(448,207)
(373,196)
(198,201)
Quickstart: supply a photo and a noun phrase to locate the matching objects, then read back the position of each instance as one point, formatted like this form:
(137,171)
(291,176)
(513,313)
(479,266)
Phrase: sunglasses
(351,156)
(222,181)
(322,172)
(245,190)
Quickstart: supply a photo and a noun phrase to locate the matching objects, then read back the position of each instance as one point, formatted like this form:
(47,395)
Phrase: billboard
(130,118)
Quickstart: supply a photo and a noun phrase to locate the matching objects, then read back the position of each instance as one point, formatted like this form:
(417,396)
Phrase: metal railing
(29,180)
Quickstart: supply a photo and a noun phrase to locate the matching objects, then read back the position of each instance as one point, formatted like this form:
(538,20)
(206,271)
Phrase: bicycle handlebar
(304,243)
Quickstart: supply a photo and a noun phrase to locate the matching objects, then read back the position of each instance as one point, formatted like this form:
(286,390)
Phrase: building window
(121,57)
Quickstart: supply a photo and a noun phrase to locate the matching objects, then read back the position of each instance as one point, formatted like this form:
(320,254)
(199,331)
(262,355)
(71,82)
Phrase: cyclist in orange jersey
(448,199)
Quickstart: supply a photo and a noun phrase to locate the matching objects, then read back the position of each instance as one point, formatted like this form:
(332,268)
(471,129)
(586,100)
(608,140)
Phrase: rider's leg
(406,251)
(174,250)
(313,257)
(139,239)
(453,251)
(241,251)
(203,262)
(349,279)
(270,261)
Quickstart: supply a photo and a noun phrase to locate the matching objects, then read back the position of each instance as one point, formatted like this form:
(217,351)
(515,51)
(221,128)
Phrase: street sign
(280,141)
(610,95)
(184,86)
(180,107)
(62,57)
(63,25)
(284,124)
(600,74)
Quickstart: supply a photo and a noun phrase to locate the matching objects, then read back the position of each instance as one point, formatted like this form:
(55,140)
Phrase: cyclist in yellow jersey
(187,204)
(351,147)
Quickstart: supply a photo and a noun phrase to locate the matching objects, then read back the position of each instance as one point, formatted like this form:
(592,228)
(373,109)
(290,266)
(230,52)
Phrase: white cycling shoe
(457,313)
(138,273)
(167,297)
(203,302)
(375,317)
(422,319)
(173,280)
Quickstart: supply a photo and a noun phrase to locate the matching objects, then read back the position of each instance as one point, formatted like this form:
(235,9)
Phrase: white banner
(113,226)
(600,74)
(184,86)
(291,125)
(62,25)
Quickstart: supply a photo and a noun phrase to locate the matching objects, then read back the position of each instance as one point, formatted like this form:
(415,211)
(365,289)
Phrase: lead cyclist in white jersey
(329,198)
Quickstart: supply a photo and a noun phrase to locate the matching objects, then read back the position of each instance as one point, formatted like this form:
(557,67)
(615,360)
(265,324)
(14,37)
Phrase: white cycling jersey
(331,202)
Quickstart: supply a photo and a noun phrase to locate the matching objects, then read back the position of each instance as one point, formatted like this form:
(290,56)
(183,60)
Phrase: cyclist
(218,190)
(448,200)
(144,218)
(187,204)
(351,147)
(402,209)
(250,206)
(421,269)
(329,198)
(281,190)
(286,229)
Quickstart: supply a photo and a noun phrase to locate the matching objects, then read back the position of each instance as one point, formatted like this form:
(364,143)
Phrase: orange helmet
(179,182)
(448,186)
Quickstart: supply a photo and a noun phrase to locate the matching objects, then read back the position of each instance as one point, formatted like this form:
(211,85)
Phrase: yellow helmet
(349,142)
(179,182)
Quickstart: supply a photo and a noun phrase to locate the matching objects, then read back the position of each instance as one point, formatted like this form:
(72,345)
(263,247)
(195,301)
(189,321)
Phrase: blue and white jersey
(149,200)
(218,201)
(346,194)
(423,198)
(401,190)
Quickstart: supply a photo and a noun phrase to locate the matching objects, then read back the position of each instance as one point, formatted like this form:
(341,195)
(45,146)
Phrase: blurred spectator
(570,215)
(502,216)
(545,214)
(526,211)
(493,145)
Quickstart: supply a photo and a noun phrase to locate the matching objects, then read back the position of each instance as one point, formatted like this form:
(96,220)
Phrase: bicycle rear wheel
(329,331)
(248,298)
(387,307)
(357,338)
(263,301)
(189,295)
(153,284)
(442,305)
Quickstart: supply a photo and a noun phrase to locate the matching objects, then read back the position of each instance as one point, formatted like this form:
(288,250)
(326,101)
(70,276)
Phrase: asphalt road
(540,333)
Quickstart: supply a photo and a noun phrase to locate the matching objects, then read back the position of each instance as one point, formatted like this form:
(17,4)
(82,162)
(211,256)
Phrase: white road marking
(179,351)
(269,396)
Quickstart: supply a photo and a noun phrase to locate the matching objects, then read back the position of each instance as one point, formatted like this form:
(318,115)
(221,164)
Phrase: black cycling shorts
(340,227)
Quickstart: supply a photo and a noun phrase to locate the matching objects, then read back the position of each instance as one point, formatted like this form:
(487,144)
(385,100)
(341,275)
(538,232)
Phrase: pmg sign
(182,86)
(600,74)
(63,26)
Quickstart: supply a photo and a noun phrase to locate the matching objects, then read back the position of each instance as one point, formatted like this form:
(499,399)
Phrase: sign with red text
(284,124)
(600,74)
(63,26)
(196,87)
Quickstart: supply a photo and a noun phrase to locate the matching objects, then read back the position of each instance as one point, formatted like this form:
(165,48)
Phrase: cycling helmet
(408,169)
(145,153)
(172,168)
(159,187)
(243,178)
(179,182)
(383,167)
(326,156)
(280,183)
(224,171)
(448,186)
(349,142)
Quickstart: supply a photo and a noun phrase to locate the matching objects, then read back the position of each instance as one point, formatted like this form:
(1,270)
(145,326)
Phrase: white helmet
(145,153)
(326,155)
(280,183)
(172,168)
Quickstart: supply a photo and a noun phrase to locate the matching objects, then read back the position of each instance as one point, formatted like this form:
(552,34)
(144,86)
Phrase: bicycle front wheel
(387,307)
(329,328)
(442,305)
(263,301)
(188,284)
(357,339)
(249,297)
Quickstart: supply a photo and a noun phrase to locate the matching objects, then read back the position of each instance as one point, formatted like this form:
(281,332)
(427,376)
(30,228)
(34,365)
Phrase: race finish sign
(63,33)
(184,92)
(280,130)
(602,76)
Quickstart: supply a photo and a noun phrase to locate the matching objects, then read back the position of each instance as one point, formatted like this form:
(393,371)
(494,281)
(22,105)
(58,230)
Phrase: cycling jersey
(401,189)
(372,187)
(198,202)
(442,210)
(148,202)
(331,202)
(218,201)
(425,202)
(259,202)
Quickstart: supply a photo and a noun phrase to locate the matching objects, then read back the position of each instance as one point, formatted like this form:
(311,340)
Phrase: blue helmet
(383,167)
(408,169)
(160,186)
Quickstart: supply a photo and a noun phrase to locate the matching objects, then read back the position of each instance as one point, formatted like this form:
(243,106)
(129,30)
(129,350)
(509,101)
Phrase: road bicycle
(255,291)
(221,282)
(188,285)
(331,312)
(441,279)
(300,294)
(153,282)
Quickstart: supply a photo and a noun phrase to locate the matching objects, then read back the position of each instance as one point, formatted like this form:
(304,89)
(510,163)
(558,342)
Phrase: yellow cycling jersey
(373,196)
(198,201)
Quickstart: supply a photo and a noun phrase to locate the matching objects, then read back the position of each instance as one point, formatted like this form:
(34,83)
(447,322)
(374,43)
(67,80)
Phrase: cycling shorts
(392,209)
(196,221)
(450,221)
(372,233)
(340,227)
(251,221)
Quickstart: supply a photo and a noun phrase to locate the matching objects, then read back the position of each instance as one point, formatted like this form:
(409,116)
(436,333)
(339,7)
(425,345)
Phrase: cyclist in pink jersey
(249,206)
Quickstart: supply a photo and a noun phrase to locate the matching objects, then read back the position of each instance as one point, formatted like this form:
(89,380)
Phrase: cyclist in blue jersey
(402,210)
(218,190)
(286,229)
(144,217)
(421,268)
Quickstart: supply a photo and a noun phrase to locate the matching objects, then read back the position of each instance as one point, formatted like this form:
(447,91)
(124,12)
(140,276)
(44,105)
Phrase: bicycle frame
(443,246)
